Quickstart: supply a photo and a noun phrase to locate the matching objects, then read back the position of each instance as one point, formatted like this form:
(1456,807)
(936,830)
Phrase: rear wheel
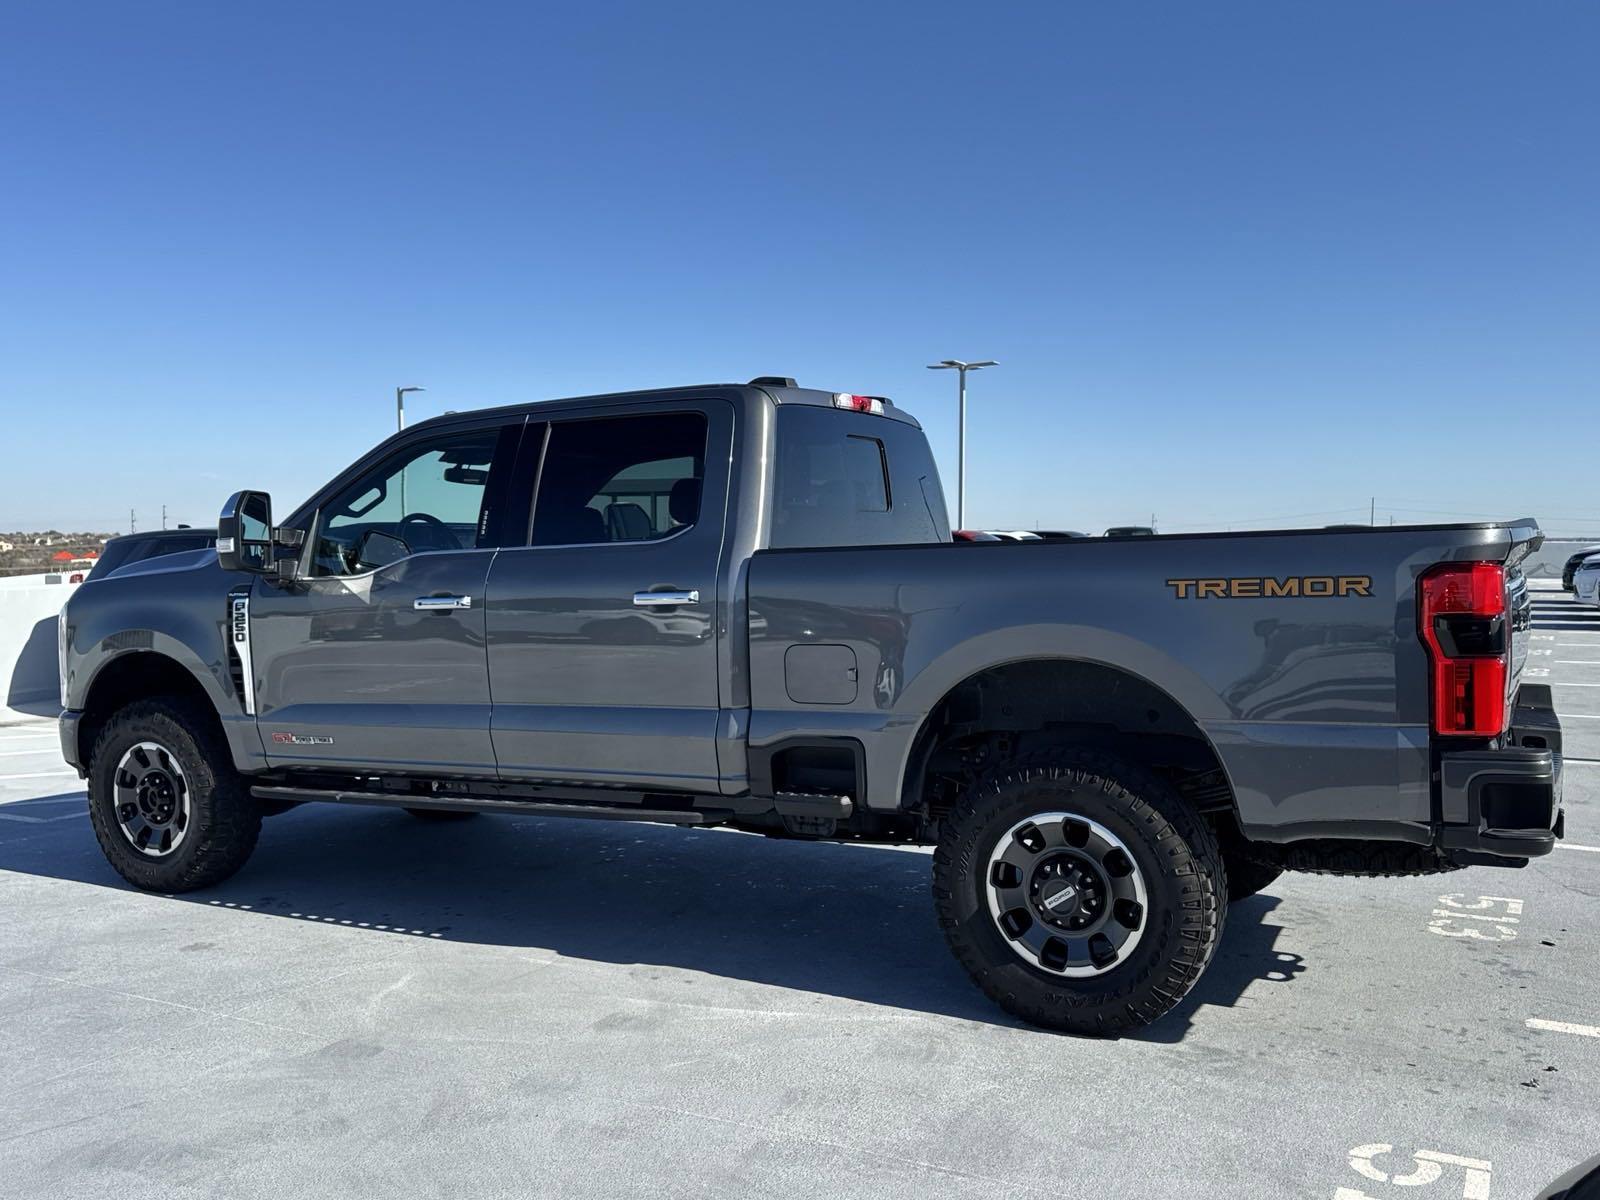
(1081,893)
(167,807)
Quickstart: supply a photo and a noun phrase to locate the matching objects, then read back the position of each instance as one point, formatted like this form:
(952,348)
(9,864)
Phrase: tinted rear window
(847,479)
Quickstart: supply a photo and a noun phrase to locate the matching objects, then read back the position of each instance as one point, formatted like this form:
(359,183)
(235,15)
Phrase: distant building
(4,546)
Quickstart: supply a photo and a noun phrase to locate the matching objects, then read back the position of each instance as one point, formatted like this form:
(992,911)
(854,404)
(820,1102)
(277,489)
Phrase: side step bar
(813,804)
(543,808)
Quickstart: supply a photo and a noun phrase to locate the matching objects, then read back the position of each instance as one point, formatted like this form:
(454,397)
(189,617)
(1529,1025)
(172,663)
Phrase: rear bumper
(1503,807)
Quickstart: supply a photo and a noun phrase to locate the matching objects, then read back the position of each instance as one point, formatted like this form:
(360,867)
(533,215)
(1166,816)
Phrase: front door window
(433,496)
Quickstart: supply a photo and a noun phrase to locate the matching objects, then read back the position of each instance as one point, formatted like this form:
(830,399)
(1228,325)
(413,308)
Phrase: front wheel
(1081,893)
(167,807)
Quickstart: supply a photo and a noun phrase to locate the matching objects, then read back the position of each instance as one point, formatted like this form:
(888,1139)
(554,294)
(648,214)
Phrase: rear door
(376,658)
(602,635)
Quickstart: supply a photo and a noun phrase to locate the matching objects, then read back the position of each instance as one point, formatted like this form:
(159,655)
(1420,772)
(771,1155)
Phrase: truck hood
(183,560)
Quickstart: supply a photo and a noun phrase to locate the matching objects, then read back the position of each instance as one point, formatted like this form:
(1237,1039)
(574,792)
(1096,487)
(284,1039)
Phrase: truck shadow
(853,921)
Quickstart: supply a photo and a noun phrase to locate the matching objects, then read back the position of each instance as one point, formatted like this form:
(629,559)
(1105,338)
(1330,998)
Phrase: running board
(541,808)
(813,804)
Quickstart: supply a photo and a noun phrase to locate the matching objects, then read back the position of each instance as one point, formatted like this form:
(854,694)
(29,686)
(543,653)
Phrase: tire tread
(229,824)
(1180,834)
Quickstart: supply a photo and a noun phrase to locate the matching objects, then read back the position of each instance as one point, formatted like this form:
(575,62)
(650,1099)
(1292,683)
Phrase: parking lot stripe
(1563,1027)
(22,753)
(39,820)
(1574,846)
(39,775)
(65,798)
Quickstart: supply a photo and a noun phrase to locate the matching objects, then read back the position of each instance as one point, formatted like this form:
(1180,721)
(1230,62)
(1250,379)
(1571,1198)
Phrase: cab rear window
(835,481)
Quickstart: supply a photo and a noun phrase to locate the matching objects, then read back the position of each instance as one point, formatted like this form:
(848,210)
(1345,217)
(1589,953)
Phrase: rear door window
(620,479)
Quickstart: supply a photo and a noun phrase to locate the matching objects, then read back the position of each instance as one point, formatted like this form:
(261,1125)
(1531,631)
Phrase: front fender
(179,614)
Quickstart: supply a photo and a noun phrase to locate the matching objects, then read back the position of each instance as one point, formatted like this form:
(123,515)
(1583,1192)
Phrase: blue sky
(1239,262)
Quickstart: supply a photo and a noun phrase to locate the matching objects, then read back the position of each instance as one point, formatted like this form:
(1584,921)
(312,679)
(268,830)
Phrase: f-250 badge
(1269,587)
(301,739)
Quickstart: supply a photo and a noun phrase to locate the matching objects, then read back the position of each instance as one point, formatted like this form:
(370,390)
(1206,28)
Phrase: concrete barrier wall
(29,676)
(29,606)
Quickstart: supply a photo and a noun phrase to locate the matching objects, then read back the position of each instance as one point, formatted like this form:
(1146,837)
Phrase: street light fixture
(955,364)
(400,404)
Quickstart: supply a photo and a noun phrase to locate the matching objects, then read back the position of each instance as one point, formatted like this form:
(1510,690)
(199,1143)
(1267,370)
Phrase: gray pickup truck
(741,605)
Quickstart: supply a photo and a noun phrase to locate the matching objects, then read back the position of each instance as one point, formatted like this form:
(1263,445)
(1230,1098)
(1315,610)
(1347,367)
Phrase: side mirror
(244,534)
(379,549)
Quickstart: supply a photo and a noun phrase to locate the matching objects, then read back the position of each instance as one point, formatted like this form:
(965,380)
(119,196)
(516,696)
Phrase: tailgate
(1526,538)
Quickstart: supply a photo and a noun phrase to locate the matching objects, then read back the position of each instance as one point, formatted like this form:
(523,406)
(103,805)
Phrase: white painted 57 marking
(1429,1169)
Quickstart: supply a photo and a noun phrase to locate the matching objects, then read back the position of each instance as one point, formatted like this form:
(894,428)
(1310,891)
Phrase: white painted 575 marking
(1429,1169)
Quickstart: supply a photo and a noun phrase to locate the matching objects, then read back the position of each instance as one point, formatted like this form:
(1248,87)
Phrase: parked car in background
(136,547)
(1016,535)
(1568,571)
(1130,531)
(1586,581)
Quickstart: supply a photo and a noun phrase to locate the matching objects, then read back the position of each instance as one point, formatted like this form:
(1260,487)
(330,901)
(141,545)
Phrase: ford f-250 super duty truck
(742,605)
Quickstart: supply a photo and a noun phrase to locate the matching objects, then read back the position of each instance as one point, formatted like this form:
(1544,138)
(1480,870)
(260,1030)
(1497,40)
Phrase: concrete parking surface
(523,1007)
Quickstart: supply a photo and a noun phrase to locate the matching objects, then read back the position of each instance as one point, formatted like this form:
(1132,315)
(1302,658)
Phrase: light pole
(955,364)
(400,404)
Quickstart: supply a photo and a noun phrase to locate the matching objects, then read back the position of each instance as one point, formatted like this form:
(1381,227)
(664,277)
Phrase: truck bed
(1296,652)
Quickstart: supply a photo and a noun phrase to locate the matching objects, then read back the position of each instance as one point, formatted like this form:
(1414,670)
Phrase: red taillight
(1462,619)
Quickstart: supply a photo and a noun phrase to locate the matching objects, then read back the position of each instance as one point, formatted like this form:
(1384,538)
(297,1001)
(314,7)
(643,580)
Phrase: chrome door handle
(664,599)
(440,603)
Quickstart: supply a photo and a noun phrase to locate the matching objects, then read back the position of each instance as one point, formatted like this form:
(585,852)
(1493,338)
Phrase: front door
(602,630)
(375,658)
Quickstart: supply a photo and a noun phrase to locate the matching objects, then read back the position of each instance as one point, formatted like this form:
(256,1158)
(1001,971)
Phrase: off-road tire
(1173,847)
(1246,876)
(443,814)
(224,819)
